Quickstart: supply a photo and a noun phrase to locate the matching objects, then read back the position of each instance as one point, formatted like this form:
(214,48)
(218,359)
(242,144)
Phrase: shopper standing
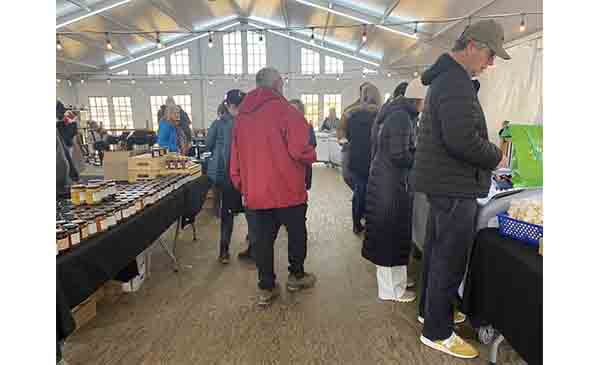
(343,140)
(331,122)
(360,122)
(269,155)
(298,104)
(167,130)
(388,236)
(218,143)
(453,167)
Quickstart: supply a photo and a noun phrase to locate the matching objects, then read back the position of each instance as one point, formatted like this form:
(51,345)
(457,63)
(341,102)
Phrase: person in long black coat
(388,235)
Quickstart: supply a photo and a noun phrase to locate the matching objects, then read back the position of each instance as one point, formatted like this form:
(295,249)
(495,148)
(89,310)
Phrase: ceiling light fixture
(92,13)
(260,37)
(185,82)
(133,81)
(325,48)
(59,46)
(69,82)
(108,44)
(312,36)
(108,81)
(360,20)
(522,27)
(364,35)
(158,44)
(169,47)
(416,28)
(82,81)
(160,82)
(210,40)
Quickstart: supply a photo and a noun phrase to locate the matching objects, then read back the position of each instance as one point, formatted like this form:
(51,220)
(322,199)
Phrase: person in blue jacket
(167,131)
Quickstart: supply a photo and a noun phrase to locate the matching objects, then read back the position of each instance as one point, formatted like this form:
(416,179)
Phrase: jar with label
(147,199)
(118,212)
(113,188)
(89,219)
(162,151)
(124,209)
(60,224)
(76,191)
(100,220)
(62,240)
(74,236)
(92,194)
(83,229)
(155,152)
(111,219)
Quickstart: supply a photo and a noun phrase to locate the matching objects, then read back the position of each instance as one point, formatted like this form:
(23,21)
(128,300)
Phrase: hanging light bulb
(312,36)
(108,44)
(522,27)
(236,79)
(160,82)
(69,82)
(82,81)
(210,82)
(59,46)
(416,74)
(364,35)
(337,77)
(364,75)
(389,74)
(260,37)
(210,40)
(185,82)
(133,81)
(287,79)
(58,81)
(313,77)
(108,81)
(416,27)
(159,45)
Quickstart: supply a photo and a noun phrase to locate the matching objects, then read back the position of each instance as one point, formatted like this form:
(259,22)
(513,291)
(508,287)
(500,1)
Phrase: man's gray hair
(266,77)
(462,43)
(171,108)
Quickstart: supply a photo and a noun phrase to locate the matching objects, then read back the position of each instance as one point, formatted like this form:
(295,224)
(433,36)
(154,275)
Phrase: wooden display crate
(143,175)
(194,169)
(86,311)
(146,162)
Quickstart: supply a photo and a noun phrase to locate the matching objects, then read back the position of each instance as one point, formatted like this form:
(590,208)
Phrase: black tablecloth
(84,269)
(504,289)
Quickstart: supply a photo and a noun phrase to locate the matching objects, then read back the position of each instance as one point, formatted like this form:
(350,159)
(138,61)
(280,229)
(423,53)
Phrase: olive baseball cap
(489,32)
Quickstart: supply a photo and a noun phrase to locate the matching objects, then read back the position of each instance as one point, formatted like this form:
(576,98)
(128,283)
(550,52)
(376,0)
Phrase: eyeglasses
(492,54)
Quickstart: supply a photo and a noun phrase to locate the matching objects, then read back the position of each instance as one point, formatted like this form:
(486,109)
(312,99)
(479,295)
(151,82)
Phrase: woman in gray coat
(388,235)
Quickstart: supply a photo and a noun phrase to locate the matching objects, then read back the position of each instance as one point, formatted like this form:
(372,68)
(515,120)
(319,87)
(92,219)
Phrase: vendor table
(504,289)
(84,269)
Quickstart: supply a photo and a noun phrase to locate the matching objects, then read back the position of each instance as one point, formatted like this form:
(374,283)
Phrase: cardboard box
(116,165)
(135,284)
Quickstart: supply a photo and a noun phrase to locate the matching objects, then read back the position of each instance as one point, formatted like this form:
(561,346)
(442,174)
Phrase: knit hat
(234,97)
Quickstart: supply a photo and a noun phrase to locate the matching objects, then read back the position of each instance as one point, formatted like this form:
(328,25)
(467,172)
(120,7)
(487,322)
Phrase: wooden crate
(143,175)
(85,312)
(146,162)
(190,170)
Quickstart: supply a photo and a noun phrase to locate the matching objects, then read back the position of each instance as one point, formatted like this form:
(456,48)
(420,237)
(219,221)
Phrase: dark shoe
(358,228)
(305,282)
(224,258)
(267,296)
(246,256)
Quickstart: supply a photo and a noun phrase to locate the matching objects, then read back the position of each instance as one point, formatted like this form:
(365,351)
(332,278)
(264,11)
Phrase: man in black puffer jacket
(453,166)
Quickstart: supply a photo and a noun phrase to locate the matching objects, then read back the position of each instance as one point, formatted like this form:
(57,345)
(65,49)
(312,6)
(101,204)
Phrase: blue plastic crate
(519,230)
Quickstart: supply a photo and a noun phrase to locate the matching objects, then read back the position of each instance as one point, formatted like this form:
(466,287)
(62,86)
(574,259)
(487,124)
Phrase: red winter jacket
(270,151)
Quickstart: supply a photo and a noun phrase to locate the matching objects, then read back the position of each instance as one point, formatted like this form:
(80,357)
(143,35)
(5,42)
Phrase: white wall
(282,53)
(513,89)
(65,93)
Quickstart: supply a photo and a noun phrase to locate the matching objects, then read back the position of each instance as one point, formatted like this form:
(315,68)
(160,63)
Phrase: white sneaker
(410,283)
(407,297)
(459,317)
(453,345)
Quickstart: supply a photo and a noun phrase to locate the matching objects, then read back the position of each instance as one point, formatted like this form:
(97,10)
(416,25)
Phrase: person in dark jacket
(360,122)
(218,143)
(297,103)
(331,122)
(453,166)
(388,236)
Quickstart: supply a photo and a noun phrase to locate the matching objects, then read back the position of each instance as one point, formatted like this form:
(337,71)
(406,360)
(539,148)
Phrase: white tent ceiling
(87,52)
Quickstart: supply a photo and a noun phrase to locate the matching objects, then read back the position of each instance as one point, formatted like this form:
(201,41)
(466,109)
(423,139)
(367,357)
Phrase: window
(310,62)
(155,103)
(332,101)
(123,112)
(185,102)
(333,65)
(387,96)
(311,108)
(257,52)
(124,72)
(99,110)
(180,62)
(157,67)
(232,53)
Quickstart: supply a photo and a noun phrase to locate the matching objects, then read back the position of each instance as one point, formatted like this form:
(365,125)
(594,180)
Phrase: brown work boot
(305,282)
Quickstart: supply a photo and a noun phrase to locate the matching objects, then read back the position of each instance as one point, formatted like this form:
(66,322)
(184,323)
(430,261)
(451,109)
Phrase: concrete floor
(206,313)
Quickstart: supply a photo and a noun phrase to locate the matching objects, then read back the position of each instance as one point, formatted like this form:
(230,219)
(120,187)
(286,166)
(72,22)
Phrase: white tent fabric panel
(513,89)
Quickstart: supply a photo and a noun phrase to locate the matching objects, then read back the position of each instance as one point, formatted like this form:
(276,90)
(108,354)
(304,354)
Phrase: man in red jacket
(270,151)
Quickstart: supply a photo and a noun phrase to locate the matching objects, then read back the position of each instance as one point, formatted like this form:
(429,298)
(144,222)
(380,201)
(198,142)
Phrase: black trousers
(268,223)
(450,233)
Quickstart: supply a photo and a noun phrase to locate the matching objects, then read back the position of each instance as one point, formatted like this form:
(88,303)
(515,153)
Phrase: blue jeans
(359,199)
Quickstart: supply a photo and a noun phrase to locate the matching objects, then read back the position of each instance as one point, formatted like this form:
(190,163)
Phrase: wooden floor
(206,314)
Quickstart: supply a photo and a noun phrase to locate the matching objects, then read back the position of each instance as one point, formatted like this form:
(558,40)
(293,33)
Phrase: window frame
(256,52)
(311,101)
(160,64)
(327,103)
(233,53)
(106,124)
(119,113)
(180,63)
(333,65)
(153,111)
(310,61)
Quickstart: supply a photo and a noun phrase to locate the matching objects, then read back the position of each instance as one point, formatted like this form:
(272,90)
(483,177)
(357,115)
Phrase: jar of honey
(83,228)
(62,240)
(76,194)
(74,235)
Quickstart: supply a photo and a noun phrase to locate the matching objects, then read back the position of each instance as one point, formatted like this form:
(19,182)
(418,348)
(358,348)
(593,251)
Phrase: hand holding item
(503,163)
(343,141)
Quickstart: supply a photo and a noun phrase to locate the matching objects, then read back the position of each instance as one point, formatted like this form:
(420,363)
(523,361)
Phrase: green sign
(527,160)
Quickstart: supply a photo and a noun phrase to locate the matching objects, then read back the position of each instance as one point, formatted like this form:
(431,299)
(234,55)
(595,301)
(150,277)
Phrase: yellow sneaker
(454,346)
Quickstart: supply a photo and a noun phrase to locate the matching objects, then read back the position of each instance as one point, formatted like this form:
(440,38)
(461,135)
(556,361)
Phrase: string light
(389,74)
(159,45)
(416,27)
(313,77)
(59,46)
(160,82)
(210,40)
(58,81)
(82,81)
(312,36)
(69,82)
(133,81)
(108,81)
(416,74)
(260,37)
(364,34)
(185,82)
(337,77)
(210,82)
(108,44)
(236,79)
(522,27)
